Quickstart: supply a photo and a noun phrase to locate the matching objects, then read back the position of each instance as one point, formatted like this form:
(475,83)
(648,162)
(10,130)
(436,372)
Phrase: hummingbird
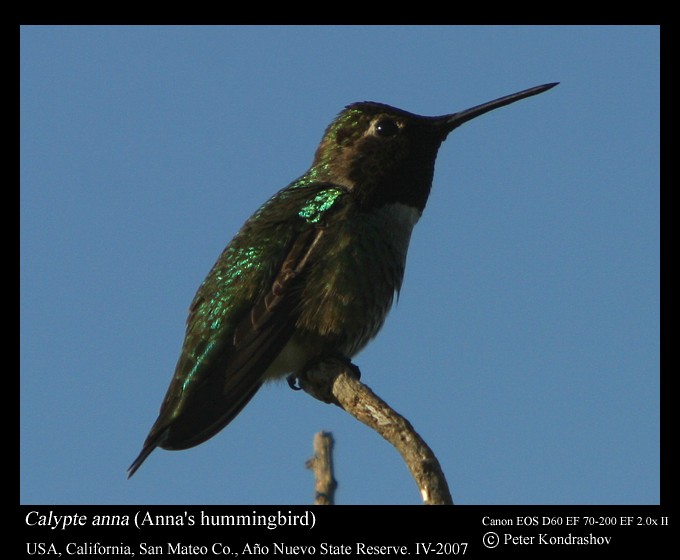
(312,273)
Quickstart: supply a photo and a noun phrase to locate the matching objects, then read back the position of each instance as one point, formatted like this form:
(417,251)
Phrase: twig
(322,465)
(335,381)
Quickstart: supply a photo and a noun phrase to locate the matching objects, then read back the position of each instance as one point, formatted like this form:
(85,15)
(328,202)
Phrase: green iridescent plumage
(312,273)
(240,278)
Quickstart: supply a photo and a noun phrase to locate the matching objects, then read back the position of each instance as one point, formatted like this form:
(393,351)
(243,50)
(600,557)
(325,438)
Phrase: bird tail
(149,445)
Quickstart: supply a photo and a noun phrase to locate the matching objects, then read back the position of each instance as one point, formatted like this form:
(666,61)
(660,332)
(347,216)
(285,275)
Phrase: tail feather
(149,446)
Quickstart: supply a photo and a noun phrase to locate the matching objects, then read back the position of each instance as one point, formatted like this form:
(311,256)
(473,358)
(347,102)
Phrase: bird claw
(292,383)
(355,369)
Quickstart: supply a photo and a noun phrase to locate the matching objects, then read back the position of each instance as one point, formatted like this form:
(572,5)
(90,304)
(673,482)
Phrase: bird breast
(352,282)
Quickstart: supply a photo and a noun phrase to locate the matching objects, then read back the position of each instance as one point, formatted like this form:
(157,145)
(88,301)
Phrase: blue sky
(525,344)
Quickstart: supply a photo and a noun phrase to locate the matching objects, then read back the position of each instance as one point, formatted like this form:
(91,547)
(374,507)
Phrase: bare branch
(322,465)
(335,381)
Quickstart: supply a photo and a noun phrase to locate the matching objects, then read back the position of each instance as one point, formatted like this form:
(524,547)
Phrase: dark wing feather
(217,375)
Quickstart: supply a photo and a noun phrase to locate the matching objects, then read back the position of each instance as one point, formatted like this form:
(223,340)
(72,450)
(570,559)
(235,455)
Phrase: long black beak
(449,122)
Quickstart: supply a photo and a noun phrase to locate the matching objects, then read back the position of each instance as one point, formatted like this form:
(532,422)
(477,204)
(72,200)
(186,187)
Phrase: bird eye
(386,128)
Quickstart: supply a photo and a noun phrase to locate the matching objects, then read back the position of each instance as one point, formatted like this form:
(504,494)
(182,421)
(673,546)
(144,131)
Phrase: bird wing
(233,335)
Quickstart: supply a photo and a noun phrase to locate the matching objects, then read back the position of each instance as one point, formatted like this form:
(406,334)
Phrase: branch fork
(336,381)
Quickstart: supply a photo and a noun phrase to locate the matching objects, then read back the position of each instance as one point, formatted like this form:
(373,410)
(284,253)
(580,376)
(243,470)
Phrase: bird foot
(292,381)
(317,377)
(332,362)
(324,364)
